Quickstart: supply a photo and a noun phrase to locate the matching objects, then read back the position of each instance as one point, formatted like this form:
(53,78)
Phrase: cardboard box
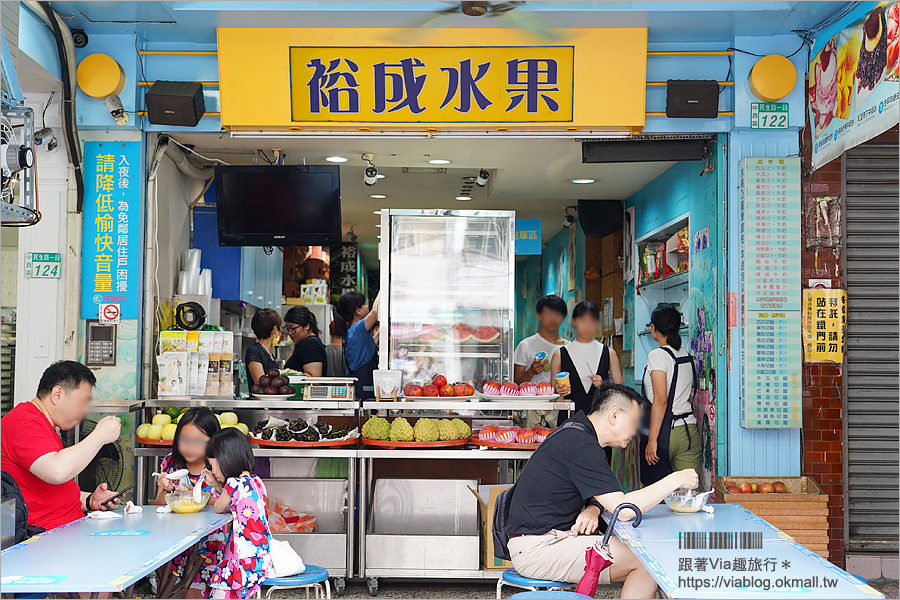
(487,499)
(610,251)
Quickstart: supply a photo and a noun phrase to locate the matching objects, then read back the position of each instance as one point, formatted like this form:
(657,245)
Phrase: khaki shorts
(556,555)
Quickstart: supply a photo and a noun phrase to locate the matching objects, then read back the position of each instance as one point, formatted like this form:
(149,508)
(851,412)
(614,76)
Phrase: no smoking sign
(110,314)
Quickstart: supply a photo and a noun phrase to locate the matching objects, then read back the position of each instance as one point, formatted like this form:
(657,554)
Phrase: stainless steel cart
(334,546)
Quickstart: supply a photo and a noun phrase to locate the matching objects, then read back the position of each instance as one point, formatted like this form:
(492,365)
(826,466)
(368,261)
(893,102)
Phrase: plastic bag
(286,561)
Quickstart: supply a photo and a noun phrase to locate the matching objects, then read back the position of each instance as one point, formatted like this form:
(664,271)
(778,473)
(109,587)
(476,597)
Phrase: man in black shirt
(560,494)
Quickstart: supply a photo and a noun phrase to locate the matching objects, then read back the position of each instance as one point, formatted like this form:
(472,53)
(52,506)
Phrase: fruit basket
(152,442)
(293,444)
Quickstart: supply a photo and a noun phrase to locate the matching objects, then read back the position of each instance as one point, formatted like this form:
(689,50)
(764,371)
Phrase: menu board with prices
(770,283)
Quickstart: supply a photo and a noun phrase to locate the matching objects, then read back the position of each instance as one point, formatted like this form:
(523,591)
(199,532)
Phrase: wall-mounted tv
(278,205)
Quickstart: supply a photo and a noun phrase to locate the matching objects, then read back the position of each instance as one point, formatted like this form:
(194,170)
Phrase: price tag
(43,265)
(769,115)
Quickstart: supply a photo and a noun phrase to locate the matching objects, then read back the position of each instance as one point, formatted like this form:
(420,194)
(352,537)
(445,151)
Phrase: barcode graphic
(720,540)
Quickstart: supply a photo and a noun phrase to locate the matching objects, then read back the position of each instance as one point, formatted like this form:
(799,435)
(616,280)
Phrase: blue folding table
(780,568)
(107,555)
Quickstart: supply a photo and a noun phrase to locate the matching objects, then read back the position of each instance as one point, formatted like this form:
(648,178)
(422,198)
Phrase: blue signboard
(528,236)
(111,244)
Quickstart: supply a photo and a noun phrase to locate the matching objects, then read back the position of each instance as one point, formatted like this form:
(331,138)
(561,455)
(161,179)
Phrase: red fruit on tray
(461,389)
(446,391)
(528,389)
(470,389)
(488,433)
(265,381)
(732,489)
(525,437)
(744,488)
(754,488)
(279,381)
(273,373)
(545,388)
(286,389)
(430,390)
(766,488)
(413,390)
(439,381)
(779,486)
(509,389)
(491,388)
(271,390)
(507,436)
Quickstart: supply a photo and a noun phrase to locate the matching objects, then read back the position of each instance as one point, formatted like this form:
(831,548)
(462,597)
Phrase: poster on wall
(628,244)
(824,320)
(111,253)
(853,80)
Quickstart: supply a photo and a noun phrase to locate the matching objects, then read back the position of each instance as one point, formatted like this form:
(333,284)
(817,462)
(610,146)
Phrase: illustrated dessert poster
(854,86)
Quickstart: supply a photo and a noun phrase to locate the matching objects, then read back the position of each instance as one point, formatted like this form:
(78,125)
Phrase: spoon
(174,474)
(198,490)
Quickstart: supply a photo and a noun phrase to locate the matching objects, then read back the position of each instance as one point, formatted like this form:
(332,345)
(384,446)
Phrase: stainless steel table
(110,555)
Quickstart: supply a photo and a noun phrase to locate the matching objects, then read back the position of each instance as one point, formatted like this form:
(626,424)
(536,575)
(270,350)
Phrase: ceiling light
(380,176)
(378,226)
(469,178)
(439,161)
(376,212)
(378,237)
(582,181)
(377,196)
(337,159)
(464,198)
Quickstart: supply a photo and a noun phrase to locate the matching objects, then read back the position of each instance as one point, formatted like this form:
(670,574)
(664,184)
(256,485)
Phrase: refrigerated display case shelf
(456,354)
(468,406)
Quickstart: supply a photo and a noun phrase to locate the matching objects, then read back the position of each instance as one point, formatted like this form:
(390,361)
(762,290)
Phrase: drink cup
(562,378)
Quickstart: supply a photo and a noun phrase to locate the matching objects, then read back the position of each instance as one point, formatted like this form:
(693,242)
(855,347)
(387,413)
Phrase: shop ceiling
(532,177)
(195,21)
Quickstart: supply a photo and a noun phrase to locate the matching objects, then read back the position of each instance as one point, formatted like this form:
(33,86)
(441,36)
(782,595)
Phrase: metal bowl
(686,501)
(183,502)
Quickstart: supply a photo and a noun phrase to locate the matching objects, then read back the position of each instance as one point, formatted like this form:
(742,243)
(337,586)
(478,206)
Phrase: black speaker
(175,103)
(639,149)
(692,99)
(599,218)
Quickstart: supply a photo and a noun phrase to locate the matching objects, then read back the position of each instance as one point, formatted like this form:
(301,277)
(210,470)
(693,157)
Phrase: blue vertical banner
(528,236)
(111,243)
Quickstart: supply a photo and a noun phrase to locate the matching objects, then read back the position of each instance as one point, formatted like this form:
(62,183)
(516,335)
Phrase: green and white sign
(769,115)
(43,265)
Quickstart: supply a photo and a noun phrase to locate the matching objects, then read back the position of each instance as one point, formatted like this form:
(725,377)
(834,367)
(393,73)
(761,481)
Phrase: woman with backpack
(670,439)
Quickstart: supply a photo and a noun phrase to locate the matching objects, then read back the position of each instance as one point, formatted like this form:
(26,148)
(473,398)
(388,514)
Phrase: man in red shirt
(33,453)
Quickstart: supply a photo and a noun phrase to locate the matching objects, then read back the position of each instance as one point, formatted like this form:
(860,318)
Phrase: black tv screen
(278,205)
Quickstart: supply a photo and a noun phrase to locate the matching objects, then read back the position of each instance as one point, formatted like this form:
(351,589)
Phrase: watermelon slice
(486,334)
(460,333)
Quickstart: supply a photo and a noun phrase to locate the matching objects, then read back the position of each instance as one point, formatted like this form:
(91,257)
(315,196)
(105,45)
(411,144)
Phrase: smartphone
(119,495)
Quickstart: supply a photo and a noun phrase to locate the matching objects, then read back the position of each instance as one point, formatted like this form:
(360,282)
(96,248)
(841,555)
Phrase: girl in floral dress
(247,561)
(195,428)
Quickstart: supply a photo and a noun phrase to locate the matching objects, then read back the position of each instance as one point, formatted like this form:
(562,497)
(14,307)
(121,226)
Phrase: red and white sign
(110,314)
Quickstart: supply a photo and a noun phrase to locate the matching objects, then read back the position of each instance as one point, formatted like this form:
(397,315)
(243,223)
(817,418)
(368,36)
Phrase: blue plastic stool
(512,578)
(548,595)
(312,577)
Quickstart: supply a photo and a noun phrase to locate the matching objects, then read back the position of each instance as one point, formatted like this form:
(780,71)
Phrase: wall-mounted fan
(107,466)
(514,14)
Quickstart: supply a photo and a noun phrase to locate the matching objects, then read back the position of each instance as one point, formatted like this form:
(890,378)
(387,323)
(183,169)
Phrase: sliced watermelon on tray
(486,334)
(461,333)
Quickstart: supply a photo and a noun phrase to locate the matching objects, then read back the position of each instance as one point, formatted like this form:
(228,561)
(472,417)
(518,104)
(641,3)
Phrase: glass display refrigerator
(447,294)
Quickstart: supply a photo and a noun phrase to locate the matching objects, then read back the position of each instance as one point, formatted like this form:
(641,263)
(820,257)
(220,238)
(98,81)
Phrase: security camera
(352,237)
(482,178)
(371,175)
(79,38)
(115,108)
(568,221)
(46,138)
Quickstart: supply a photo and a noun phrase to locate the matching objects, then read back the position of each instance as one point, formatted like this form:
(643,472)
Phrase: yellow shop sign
(350,78)
(431,85)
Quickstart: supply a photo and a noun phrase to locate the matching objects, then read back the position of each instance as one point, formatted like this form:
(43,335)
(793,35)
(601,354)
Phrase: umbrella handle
(638,516)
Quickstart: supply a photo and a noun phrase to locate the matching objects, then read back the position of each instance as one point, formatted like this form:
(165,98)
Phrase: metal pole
(363,510)
(351,513)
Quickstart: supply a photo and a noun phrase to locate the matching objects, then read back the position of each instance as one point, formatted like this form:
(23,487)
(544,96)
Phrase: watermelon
(460,333)
(486,334)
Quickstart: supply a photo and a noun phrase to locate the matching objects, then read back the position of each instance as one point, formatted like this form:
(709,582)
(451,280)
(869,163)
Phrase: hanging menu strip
(770,249)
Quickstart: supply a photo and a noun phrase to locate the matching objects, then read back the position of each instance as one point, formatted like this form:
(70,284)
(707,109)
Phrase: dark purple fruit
(256,389)
(265,381)
(273,373)
(271,391)
(286,389)
(279,381)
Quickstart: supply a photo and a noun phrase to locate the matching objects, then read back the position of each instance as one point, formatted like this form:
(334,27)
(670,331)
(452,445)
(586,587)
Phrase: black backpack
(10,489)
(504,499)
